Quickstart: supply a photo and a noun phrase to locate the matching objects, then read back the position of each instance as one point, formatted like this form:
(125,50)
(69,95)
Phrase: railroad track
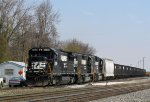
(50,93)
(93,94)
(80,94)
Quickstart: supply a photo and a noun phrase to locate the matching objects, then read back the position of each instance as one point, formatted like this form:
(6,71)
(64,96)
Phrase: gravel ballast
(139,96)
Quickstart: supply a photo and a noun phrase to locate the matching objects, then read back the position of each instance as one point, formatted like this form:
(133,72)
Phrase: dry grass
(28,90)
(147,73)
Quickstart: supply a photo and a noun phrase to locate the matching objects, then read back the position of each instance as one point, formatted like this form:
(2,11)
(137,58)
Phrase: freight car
(48,66)
(123,71)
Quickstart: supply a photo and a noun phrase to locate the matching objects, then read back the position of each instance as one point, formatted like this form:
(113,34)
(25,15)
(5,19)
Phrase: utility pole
(140,63)
(143,61)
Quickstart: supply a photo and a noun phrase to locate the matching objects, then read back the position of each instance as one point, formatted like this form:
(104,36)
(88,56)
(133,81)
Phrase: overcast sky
(118,29)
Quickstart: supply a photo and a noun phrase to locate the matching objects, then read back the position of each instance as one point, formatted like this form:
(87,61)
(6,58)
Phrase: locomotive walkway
(79,94)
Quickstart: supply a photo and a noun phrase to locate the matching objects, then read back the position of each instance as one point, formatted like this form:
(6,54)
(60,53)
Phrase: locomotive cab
(97,70)
(47,66)
(40,66)
(40,58)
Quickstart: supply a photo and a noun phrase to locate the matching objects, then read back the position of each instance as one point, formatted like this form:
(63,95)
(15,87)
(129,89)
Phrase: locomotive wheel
(80,80)
(56,80)
(72,80)
(103,78)
(1,84)
(95,77)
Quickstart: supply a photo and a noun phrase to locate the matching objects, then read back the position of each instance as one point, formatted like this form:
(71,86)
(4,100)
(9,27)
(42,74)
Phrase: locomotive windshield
(38,58)
(42,54)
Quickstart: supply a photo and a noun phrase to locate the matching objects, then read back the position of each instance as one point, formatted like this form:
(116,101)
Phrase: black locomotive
(48,66)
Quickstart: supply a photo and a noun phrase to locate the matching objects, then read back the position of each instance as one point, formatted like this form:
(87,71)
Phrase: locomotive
(49,66)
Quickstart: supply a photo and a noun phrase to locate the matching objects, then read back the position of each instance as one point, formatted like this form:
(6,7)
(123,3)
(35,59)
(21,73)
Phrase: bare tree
(46,19)
(11,13)
(4,52)
(23,39)
(21,29)
(36,30)
(77,46)
(11,17)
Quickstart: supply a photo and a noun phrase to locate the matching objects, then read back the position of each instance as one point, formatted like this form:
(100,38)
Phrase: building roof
(19,64)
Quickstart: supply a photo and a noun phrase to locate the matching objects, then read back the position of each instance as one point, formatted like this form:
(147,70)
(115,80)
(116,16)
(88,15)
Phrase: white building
(12,69)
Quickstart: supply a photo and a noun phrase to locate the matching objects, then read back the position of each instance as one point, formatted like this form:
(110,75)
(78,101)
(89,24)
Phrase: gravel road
(139,96)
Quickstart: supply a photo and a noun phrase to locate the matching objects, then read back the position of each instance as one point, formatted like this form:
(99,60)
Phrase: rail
(80,94)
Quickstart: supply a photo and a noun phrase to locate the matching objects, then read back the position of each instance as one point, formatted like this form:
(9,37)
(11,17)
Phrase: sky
(117,29)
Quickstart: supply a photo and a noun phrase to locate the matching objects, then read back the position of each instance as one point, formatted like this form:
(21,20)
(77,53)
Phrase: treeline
(22,28)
